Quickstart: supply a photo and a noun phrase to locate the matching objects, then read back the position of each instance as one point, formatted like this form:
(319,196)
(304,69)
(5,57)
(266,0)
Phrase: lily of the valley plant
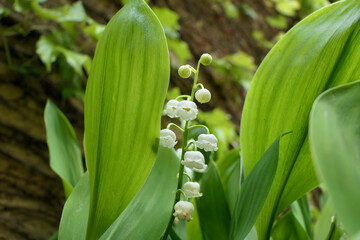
(299,129)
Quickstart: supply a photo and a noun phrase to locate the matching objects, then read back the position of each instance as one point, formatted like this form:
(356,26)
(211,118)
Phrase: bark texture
(31,195)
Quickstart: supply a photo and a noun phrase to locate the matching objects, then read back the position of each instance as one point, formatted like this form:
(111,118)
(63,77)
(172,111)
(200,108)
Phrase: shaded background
(45,54)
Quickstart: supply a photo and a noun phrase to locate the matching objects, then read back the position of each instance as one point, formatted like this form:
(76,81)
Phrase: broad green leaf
(144,218)
(229,170)
(253,192)
(334,134)
(289,228)
(147,216)
(212,207)
(320,52)
(123,103)
(64,150)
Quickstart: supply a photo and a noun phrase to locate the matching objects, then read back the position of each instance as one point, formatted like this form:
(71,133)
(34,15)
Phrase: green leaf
(301,211)
(320,52)
(145,217)
(324,224)
(212,207)
(254,191)
(75,214)
(193,229)
(66,13)
(289,228)
(76,60)
(334,135)
(230,172)
(64,150)
(123,102)
(45,48)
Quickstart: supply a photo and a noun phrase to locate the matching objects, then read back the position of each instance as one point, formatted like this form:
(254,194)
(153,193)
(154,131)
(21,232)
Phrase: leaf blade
(254,192)
(318,53)
(123,104)
(64,150)
(334,135)
(212,207)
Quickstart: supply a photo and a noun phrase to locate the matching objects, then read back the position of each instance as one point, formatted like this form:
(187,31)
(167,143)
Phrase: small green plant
(133,187)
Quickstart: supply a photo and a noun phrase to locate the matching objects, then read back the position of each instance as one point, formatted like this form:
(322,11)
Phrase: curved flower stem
(173,124)
(203,126)
(181,191)
(180,181)
(192,142)
(200,85)
(195,81)
(192,69)
(182,96)
(188,176)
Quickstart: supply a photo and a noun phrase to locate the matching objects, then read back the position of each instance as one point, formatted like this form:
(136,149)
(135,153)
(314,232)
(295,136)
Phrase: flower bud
(208,142)
(205,59)
(184,210)
(187,110)
(171,108)
(203,95)
(167,138)
(192,190)
(184,71)
(195,161)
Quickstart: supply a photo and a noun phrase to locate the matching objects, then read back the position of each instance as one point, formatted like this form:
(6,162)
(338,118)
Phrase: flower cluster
(184,108)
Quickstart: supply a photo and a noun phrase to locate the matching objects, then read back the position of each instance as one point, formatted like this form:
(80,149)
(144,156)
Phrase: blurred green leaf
(230,172)
(287,7)
(76,60)
(45,48)
(4,12)
(320,52)
(193,230)
(66,13)
(50,46)
(64,150)
(123,102)
(334,135)
(289,228)
(94,29)
(137,221)
(254,192)
(279,21)
(323,224)
(212,207)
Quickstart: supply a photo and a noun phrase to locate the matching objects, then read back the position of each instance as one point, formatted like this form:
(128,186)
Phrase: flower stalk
(187,111)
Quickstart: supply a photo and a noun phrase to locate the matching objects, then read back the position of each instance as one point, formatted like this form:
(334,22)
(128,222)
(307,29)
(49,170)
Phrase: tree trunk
(31,195)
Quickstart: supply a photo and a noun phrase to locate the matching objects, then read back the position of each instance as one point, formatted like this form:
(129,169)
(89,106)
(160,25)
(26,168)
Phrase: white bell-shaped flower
(184,210)
(167,138)
(192,190)
(179,153)
(208,142)
(187,110)
(171,108)
(195,161)
(203,95)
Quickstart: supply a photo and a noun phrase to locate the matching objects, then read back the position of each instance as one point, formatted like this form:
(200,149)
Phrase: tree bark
(31,195)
